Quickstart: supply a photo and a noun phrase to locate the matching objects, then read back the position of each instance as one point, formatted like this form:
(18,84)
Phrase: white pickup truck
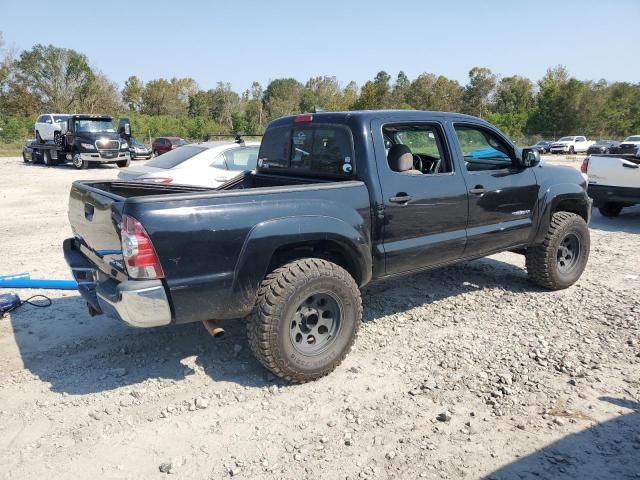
(572,144)
(614,181)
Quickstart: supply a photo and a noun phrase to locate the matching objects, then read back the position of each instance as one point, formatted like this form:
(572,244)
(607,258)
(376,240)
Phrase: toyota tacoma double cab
(337,200)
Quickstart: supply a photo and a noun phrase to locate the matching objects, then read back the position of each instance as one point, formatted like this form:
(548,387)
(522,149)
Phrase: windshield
(541,143)
(238,159)
(603,142)
(633,138)
(60,118)
(135,142)
(179,141)
(175,157)
(566,139)
(94,126)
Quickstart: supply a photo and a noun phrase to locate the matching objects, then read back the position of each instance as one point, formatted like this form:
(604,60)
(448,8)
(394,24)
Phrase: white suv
(48,124)
(571,145)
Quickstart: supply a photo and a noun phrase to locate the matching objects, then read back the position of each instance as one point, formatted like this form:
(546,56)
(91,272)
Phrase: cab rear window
(313,149)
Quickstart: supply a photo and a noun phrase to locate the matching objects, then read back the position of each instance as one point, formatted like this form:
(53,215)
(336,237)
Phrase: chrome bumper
(137,303)
(97,157)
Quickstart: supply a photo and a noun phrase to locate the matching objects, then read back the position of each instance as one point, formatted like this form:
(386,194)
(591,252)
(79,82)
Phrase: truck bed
(130,189)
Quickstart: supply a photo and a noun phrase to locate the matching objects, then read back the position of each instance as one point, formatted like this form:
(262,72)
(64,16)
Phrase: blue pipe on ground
(22,282)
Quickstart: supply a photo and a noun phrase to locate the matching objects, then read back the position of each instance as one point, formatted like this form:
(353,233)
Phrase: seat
(400,160)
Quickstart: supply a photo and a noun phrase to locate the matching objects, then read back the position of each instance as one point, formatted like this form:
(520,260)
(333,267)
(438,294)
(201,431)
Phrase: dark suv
(165,144)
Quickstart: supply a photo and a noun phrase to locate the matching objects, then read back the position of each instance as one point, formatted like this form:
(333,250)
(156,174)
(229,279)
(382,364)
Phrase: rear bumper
(602,194)
(136,303)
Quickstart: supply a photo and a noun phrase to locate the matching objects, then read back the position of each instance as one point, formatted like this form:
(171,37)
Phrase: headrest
(400,158)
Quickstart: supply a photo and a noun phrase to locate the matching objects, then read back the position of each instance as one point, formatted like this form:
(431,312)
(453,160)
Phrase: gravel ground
(465,372)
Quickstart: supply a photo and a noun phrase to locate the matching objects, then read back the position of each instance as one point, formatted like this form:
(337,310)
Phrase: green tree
(375,94)
(132,93)
(282,97)
(222,103)
(479,90)
(514,94)
(199,104)
(254,111)
(54,77)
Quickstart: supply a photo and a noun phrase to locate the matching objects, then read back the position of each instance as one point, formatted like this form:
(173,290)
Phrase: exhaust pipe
(213,328)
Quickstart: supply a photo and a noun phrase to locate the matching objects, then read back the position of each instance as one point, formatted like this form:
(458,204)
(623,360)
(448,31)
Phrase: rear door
(425,208)
(502,194)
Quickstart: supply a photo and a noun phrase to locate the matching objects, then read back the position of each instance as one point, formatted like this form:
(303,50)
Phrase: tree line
(52,79)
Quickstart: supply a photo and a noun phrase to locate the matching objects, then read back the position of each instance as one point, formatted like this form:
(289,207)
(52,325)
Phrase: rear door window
(175,157)
(312,149)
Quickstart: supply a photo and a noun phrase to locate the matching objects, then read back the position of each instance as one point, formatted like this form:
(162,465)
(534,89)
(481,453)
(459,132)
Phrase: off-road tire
(280,294)
(610,209)
(542,260)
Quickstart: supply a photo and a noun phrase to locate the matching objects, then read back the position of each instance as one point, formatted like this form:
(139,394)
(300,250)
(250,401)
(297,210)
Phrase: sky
(241,41)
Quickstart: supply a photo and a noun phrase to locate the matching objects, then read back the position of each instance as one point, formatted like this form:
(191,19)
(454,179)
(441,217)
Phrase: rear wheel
(562,257)
(79,163)
(610,209)
(46,158)
(305,319)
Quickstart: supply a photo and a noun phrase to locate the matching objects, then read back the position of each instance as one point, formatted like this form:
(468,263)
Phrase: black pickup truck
(337,200)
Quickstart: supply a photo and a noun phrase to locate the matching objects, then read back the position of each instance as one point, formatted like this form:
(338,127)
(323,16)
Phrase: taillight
(156,179)
(303,118)
(585,165)
(173,147)
(139,255)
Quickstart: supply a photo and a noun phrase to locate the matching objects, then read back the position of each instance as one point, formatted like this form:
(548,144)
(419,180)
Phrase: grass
(13,149)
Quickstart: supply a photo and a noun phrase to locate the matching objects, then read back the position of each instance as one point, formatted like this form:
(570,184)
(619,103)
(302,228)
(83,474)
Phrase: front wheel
(305,320)
(572,151)
(610,209)
(562,257)
(79,163)
(123,163)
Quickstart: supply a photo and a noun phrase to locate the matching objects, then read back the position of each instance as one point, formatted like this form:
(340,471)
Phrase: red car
(165,144)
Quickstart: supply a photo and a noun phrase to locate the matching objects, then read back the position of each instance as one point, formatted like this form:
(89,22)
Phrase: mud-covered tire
(610,209)
(546,263)
(281,296)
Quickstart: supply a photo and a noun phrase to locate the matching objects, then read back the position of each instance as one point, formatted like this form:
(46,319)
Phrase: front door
(502,194)
(425,199)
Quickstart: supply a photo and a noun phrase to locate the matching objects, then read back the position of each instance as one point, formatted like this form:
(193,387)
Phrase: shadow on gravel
(407,292)
(608,450)
(78,354)
(627,222)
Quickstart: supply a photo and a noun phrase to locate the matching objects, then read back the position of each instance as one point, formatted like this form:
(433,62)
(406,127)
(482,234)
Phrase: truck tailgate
(614,171)
(95,217)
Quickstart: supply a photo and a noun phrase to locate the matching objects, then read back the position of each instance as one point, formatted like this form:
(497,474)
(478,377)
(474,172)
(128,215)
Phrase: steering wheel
(435,166)
(417,162)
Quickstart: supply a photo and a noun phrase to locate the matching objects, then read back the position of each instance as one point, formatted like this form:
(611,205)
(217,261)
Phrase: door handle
(478,190)
(630,165)
(402,199)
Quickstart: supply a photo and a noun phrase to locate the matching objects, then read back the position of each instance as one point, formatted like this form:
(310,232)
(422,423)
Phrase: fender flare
(554,196)
(265,238)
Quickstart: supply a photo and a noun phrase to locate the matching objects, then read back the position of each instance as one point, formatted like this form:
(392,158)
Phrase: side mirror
(124,128)
(530,157)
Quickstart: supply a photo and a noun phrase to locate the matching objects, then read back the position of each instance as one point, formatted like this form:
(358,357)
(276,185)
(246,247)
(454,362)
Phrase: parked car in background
(614,181)
(165,144)
(27,151)
(543,146)
(602,146)
(629,145)
(207,164)
(48,126)
(572,144)
(139,150)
